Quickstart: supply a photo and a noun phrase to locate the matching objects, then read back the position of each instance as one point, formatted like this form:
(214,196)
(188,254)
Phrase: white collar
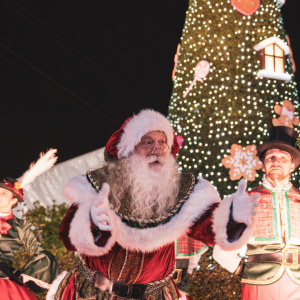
(270,186)
(2,215)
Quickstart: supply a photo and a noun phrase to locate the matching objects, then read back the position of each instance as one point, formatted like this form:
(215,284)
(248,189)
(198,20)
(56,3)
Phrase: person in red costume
(126,216)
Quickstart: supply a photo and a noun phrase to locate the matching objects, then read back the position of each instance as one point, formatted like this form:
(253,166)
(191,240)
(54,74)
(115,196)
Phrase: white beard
(152,187)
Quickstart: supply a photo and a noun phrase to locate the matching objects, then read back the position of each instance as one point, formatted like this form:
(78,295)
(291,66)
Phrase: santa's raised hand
(244,206)
(99,210)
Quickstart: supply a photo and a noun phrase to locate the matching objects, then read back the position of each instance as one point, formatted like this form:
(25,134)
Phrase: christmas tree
(243,58)
(232,67)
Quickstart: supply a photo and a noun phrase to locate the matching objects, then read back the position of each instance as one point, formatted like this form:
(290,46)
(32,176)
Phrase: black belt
(119,289)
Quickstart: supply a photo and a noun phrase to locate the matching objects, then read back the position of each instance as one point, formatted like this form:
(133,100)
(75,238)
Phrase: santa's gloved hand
(244,206)
(99,209)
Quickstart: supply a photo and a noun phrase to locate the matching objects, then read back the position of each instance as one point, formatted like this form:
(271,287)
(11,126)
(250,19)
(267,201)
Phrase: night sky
(73,71)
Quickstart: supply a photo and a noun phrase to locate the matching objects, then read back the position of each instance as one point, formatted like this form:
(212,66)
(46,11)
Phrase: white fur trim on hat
(147,120)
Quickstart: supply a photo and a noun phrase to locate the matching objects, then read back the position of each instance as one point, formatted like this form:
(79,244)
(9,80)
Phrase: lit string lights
(232,105)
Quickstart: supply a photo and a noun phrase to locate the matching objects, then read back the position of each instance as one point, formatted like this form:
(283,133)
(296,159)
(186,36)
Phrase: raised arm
(78,231)
(229,223)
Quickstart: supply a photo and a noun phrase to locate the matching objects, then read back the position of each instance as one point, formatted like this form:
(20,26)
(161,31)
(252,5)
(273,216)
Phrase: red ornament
(180,140)
(246,7)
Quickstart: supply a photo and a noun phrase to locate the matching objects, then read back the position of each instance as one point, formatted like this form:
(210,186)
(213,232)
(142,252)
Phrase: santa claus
(126,216)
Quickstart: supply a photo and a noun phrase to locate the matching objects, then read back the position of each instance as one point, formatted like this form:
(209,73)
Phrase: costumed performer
(271,269)
(41,268)
(126,236)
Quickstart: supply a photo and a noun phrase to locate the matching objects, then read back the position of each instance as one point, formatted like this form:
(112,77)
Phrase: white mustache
(153,158)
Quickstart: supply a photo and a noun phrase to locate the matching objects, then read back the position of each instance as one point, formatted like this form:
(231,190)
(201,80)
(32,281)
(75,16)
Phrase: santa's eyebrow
(147,137)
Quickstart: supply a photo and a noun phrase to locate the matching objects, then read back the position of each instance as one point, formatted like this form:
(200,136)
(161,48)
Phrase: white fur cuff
(220,221)
(229,260)
(80,232)
(78,189)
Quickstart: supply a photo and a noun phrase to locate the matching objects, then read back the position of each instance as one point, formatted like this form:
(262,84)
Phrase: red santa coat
(157,263)
(201,216)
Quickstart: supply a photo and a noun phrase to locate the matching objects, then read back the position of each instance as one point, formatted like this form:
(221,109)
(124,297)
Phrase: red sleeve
(202,229)
(65,227)
(101,237)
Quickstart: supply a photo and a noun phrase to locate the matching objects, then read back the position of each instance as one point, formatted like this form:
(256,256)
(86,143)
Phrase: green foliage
(232,105)
(21,258)
(210,281)
(46,222)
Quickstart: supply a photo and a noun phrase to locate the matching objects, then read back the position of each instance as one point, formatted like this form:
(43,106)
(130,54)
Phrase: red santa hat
(123,141)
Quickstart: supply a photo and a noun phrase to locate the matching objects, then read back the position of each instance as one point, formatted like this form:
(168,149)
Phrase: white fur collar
(146,240)
(79,190)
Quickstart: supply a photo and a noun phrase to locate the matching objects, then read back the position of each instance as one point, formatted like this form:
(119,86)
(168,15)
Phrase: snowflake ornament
(242,162)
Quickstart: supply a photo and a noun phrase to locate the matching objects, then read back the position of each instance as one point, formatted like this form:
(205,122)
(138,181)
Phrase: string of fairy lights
(232,105)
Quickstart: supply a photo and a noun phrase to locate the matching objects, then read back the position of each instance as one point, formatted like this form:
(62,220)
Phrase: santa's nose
(157,151)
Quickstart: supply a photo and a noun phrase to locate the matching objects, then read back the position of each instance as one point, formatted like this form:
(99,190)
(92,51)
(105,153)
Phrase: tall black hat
(283,138)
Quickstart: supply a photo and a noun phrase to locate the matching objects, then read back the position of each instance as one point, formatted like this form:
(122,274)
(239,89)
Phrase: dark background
(73,71)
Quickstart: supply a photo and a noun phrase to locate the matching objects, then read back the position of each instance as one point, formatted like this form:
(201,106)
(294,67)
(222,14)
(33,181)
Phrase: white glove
(99,209)
(244,206)
(229,260)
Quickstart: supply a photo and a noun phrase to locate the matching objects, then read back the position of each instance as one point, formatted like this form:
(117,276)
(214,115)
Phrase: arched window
(274,59)
(272,53)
